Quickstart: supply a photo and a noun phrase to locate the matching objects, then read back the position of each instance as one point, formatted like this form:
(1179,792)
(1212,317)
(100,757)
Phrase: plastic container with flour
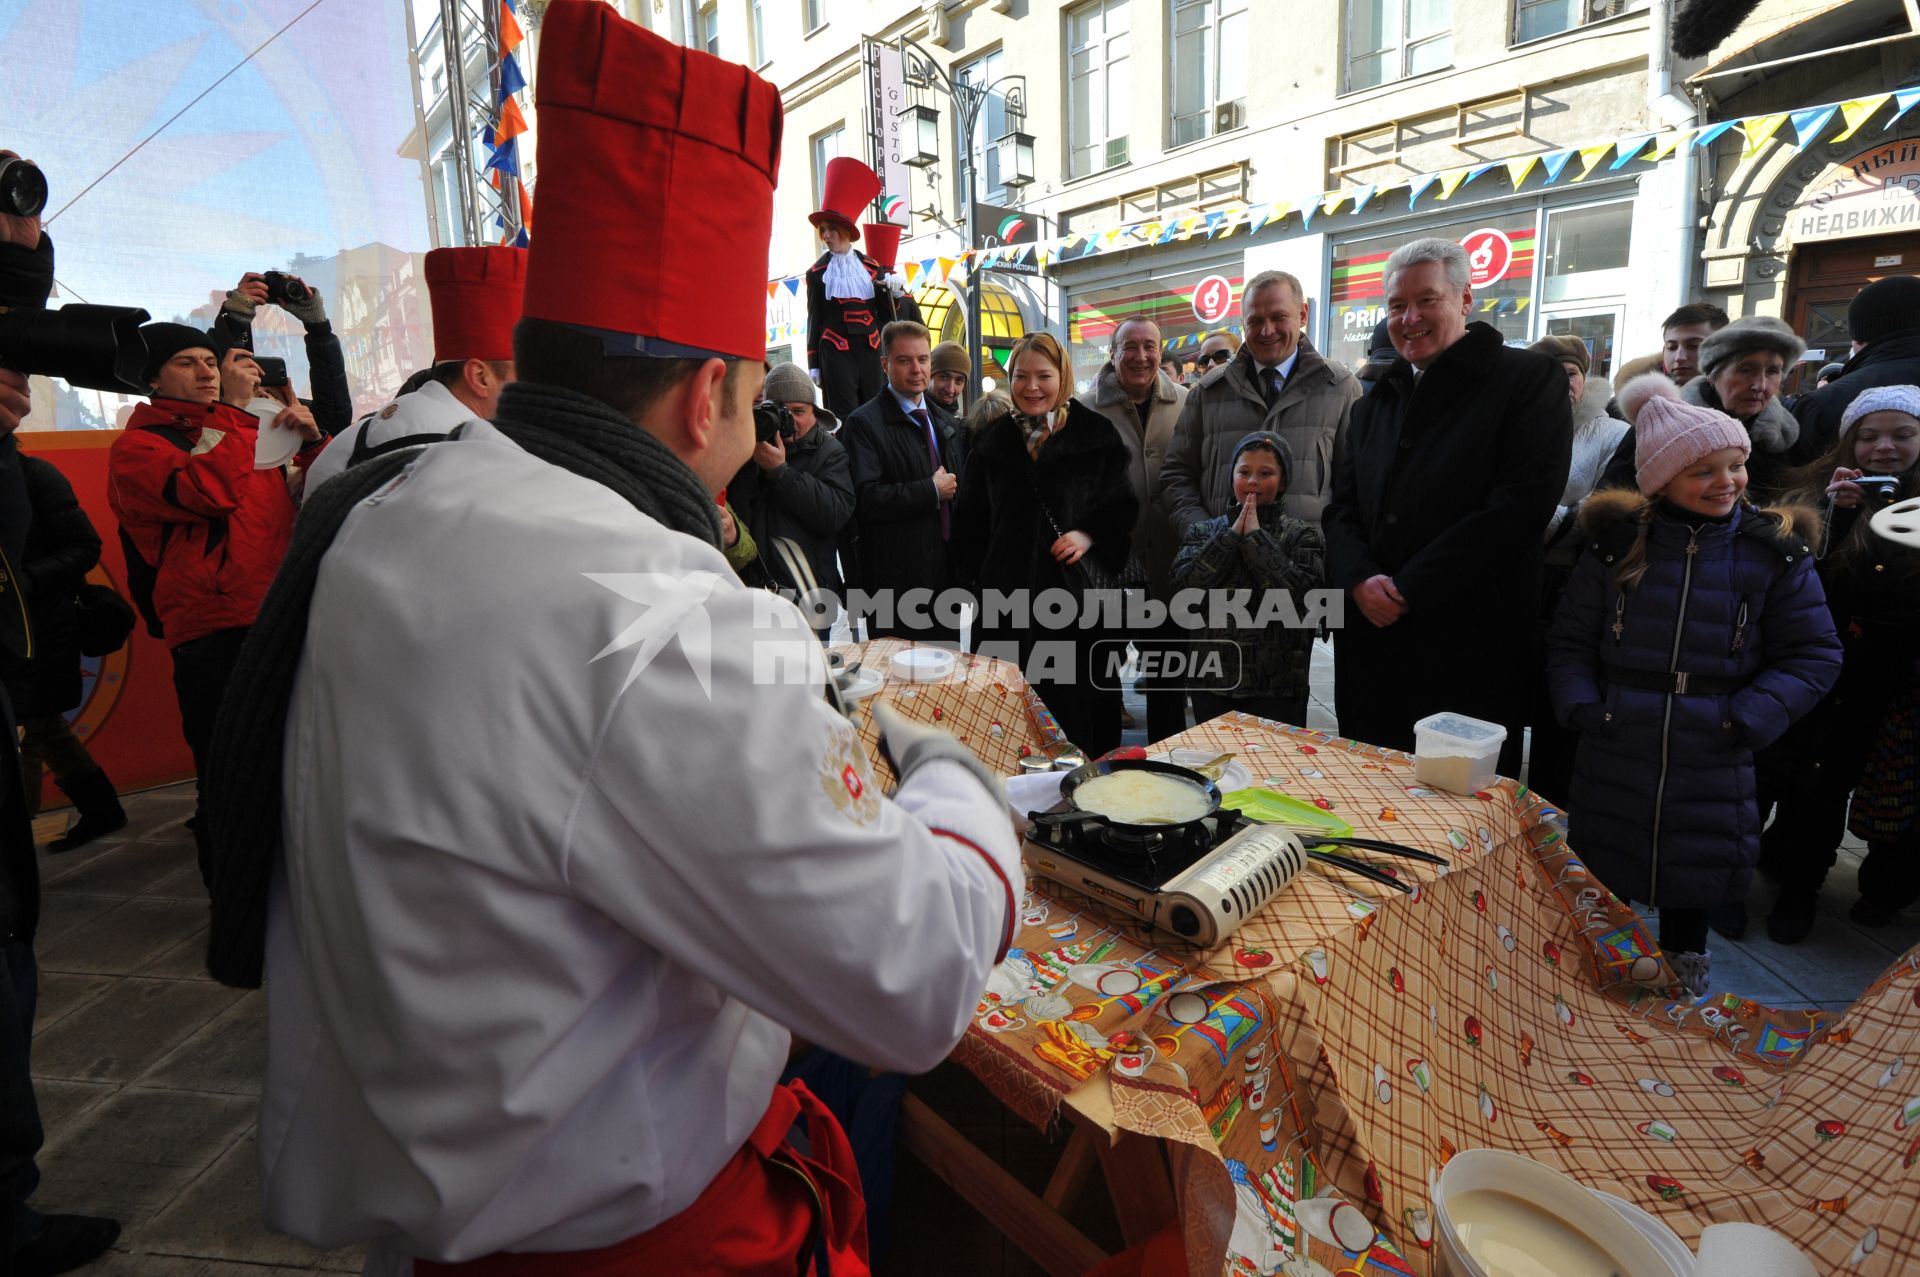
(1456,753)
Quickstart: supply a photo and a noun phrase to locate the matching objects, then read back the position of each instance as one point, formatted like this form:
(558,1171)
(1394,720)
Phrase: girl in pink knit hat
(1692,632)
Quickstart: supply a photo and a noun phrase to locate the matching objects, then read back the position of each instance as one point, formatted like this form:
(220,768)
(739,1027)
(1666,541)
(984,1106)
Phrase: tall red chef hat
(883,243)
(657,166)
(476,301)
(849,187)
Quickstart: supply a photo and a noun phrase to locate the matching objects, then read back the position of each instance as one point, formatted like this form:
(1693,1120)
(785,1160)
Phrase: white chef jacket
(430,410)
(540,929)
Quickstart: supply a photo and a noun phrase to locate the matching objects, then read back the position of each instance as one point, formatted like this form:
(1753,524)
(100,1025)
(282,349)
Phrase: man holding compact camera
(332,403)
(799,484)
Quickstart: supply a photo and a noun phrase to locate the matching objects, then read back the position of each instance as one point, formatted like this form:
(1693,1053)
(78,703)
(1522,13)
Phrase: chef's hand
(770,455)
(909,745)
(1845,493)
(15,401)
(295,416)
(1379,601)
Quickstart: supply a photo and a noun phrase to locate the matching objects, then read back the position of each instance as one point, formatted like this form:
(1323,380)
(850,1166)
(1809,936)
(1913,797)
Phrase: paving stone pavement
(148,1073)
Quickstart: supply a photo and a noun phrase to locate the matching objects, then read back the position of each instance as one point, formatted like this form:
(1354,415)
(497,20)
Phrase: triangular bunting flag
(510,33)
(1519,167)
(1477,170)
(946,268)
(1809,124)
(1592,155)
(512,124)
(1663,146)
(1858,112)
(1331,202)
(526,208)
(1307,211)
(1416,185)
(1626,148)
(1553,164)
(1112,237)
(511,81)
(1760,130)
(504,159)
(773,287)
(1213,223)
(1709,135)
(1364,194)
(1450,182)
(793,287)
(1043,255)
(1904,99)
(908,271)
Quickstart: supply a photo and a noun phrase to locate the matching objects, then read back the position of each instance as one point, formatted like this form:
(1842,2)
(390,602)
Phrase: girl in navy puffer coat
(1691,634)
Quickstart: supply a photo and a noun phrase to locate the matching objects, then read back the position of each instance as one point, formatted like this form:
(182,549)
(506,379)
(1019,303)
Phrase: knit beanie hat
(1884,307)
(1273,443)
(1755,332)
(165,340)
(1881,399)
(951,356)
(1566,349)
(1670,434)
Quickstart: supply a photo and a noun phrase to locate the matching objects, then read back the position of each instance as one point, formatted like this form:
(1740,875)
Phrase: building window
(1098,87)
(1537,19)
(992,123)
(706,29)
(1392,39)
(1209,68)
(1503,283)
(1095,315)
(830,145)
(757,32)
(816,14)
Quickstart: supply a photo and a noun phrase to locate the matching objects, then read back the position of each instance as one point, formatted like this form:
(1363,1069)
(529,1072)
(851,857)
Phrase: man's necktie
(1274,379)
(933,455)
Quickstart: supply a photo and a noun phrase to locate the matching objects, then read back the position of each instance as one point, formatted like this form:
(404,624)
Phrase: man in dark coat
(1453,464)
(907,456)
(800,489)
(1884,320)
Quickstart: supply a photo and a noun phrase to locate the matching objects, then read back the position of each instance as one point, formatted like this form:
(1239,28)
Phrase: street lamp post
(923,76)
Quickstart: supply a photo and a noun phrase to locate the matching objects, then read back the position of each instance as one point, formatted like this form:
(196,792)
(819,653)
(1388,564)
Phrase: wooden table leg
(1032,1224)
(1076,1163)
(1137,1180)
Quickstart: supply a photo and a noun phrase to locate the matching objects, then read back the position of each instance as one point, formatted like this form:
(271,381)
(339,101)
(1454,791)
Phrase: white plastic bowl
(922,664)
(1552,1191)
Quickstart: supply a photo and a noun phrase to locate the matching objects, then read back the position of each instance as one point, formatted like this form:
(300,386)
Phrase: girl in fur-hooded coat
(1663,807)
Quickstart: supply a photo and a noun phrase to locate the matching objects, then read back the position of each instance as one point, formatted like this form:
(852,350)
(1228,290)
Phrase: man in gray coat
(1277,382)
(1143,403)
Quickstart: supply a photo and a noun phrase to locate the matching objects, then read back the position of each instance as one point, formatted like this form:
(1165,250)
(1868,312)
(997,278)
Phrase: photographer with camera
(799,484)
(332,402)
(204,530)
(30,1243)
(475,294)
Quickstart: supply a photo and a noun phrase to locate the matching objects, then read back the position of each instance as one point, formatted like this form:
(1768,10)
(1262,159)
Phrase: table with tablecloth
(1350,1038)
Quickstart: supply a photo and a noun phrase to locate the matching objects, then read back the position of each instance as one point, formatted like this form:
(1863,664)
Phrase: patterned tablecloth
(983,703)
(1350,1039)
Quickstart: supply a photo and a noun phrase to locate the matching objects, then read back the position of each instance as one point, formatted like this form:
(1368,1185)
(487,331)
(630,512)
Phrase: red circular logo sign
(1212,299)
(1489,254)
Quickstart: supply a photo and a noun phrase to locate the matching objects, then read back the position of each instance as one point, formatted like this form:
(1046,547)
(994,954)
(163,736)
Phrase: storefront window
(1167,300)
(1587,252)
(1500,250)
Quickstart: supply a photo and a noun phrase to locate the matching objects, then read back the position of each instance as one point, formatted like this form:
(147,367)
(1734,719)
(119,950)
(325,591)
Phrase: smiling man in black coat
(1453,464)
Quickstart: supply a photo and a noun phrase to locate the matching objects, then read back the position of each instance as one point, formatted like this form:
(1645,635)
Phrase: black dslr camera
(92,347)
(283,288)
(1881,489)
(771,419)
(23,187)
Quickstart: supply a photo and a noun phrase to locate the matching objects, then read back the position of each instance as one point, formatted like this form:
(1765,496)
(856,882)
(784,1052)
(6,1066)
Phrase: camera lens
(23,188)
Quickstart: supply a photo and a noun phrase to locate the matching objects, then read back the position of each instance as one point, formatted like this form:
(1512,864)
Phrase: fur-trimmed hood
(1592,404)
(1614,513)
(1774,430)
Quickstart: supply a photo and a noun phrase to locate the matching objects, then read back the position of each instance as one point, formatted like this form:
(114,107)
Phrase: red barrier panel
(127,715)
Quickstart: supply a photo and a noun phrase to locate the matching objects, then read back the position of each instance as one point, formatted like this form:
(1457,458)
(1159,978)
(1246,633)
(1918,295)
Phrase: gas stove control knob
(1184,921)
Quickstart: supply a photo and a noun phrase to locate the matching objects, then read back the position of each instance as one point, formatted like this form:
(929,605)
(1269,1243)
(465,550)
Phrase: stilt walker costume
(883,245)
(530,987)
(848,301)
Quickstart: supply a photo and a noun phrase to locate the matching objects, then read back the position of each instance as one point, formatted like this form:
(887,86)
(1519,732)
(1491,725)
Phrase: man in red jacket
(210,525)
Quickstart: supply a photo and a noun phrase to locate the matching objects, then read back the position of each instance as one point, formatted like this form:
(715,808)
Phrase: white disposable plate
(276,445)
(864,683)
(922,664)
(1233,776)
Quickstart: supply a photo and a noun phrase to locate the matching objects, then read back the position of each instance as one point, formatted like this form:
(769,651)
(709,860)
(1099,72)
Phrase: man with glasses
(1276,382)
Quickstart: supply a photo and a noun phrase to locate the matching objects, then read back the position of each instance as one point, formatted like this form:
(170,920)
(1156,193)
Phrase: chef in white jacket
(573,843)
(475,295)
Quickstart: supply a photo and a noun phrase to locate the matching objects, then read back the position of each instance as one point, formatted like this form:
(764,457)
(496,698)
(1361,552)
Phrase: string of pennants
(1574,163)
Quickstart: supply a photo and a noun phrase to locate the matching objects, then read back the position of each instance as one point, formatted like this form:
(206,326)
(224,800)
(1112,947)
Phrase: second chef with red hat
(848,301)
(476,301)
(559,864)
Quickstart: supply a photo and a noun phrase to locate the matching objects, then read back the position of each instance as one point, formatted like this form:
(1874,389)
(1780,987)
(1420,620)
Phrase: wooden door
(1824,279)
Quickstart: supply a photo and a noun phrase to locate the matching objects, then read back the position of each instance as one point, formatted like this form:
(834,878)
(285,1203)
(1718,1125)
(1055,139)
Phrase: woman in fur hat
(1692,634)
(1742,366)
